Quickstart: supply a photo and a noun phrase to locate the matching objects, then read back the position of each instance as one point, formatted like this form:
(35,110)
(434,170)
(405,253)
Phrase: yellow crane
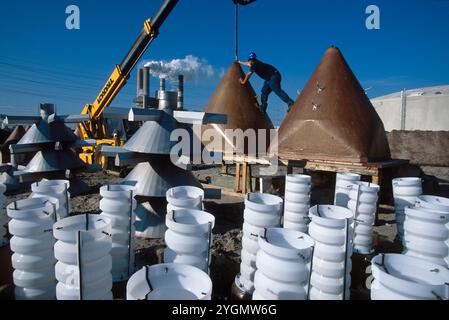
(96,128)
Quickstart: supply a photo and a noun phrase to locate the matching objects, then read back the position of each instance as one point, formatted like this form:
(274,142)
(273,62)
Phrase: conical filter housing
(44,132)
(239,102)
(154,136)
(15,136)
(333,119)
(51,161)
(155,177)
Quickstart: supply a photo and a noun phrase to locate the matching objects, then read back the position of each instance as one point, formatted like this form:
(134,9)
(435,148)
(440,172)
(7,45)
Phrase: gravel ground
(227,242)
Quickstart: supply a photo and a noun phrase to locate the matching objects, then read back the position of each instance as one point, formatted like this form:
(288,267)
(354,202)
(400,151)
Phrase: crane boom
(95,129)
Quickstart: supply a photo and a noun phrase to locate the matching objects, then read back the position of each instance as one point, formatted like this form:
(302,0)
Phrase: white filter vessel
(261,211)
(57,189)
(185,198)
(405,193)
(3,217)
(434,203)
(118,204)
(427,235)
(189,238)
(298,189)
(343,187)
(83,251)
(168,282)
(32,244)
(331,267)
(400,277)
(283,263)
(363,203)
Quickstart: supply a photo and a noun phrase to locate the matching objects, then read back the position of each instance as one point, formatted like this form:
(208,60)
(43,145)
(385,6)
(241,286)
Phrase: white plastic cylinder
(405,193)
(32,244)
(3,217)
(118,204)
(363,200)
(189,238)
(401,277)
(58,189)
(261,211)
(427,235)
(83,251)
(343,187)
(434,203)
(168,282)
(298,189)
(283,263)
(331,267)
(185,198)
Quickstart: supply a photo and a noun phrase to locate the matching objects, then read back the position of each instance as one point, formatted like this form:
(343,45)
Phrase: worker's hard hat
(252,56)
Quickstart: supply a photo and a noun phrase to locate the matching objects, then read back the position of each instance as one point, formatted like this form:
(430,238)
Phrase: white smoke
(193,68)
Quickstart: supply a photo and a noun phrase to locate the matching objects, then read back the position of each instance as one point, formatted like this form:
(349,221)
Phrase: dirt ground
(227,243)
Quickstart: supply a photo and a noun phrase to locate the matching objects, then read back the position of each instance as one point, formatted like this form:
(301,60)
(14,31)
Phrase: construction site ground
(228,231)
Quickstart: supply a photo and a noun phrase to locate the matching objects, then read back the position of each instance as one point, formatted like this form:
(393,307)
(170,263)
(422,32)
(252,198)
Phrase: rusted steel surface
(239,102)
(333,119)
(15,136)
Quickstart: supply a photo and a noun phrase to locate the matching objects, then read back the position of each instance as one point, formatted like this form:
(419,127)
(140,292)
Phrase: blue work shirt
(264,70)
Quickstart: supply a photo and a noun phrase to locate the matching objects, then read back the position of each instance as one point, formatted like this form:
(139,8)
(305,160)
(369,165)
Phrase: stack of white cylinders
(298,189)
(400,277)
(169,282)
(283,263)
(3,217)
(185,198)
(32,244)
(189,238)
(118,204)
(56,189)
(405,192)
(427,235)
(261,211)
(363,203)
(343,187)
(84,258)
(331,268)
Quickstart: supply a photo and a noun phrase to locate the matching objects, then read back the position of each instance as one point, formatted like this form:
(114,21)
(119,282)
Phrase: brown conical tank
(239,102)
(333,119)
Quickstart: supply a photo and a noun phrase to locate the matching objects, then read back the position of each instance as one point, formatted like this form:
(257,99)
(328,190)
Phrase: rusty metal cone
(333,119)
(239,102)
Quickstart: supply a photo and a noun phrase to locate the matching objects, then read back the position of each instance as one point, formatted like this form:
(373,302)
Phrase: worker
(272,78)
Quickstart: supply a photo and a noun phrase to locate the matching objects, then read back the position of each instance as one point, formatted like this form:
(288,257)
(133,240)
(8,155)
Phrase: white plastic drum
(168,282)
(331,269)
(185,198)
(118,204)
(363,202)
(3,217)
(405,193)
(261,211)
(343,186)
(427,235)
(32,244)
(400,277)
(298,189)
(84,258)
(283,263)
(58,189)
(189,237)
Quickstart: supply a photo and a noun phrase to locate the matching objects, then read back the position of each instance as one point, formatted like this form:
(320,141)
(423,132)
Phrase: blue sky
(42,61)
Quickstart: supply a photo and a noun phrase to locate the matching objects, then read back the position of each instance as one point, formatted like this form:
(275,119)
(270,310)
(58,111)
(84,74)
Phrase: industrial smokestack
(162,86)
(146,86)
(139,82)
(180,92)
